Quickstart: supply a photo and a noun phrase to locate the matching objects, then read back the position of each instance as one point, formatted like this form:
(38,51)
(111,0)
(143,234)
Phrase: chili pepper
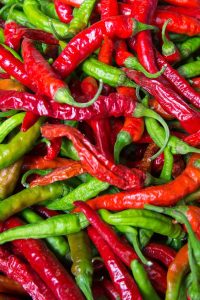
(190,69)
(125,58)
(132,131)
(46,265)
(142,218)
(14,67)
(110,289)
(54,226)
(145,236)
(81,18)
(10,286)
(11,84)
(9,178)
(176,106)
(169,50)
(74,3)
(29,120)
(90,39)
(193,139)
(179,23)
(195,82)
(57,244)
(158,195)
(28,197)
(40,20)
(193,289)
(108,8)
(184,3)
(189,46)
(145,163)
(45,212)
(7,126)
(188,11)
(53,149)
(81,256)
(158,276)
(93,188)
(167,168)
(16,15)
(160,252)
(18,270)
(11,34)
(182,86)
(55,88)
(109,74)
(155,105)
(119,275)
(106,50)
(38,162)
(48,9)
(64,11)
(89,86)
(59,174)
(142,281)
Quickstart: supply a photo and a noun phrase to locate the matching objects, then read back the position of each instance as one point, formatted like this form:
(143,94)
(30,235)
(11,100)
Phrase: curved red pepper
(64,11)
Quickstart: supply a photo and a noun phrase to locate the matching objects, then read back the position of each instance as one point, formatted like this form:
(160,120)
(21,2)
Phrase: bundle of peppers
(100,149)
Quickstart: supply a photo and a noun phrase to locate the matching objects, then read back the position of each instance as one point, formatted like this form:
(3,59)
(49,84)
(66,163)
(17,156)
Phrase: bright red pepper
(122,280)
(29,120)
(38,162)
(53,149)
(106,51)
(19,271)
(193,139)
(110,289)
(185,3)
(46,265)
(73,3)
(109,8)
(188,11)
(64,11)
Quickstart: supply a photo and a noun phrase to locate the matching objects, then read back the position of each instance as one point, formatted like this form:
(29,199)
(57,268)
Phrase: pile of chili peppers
(100,149)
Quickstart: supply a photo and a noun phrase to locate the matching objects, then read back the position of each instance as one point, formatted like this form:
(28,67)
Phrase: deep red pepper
(195,82)
(116,126)
(95,163)
(53,149)
(21,272)
(64,11)
(169,100)
(45,212)
(14,67)
(158,277)
(193,139)
(179,23)
(179,83)
(12,36)
(90,39)
(160,252)
(185,3)
(128,91)
(189,11)
(109,8)
(46,265)
(110,289)
(122,280)
(29,120)
(74,3)
(106,51)
(89,86)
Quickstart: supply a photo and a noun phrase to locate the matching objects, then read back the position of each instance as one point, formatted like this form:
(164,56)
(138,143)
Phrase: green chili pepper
(17,16)
(68,150)
(110,75)
(40,20)
(9,113)
(143,281)
(81,255)
(48,8)
(190,70)
(144,236)
(84,192)
(189,46)
(7,126)
(166,172)
(9,178)
(55,226)
(143,219)
(184,287)
(178,37)
(2,38)
(57,244)
(28,197)
(194,288)
(132,236)
(10,2)
(20,144)
(81,18)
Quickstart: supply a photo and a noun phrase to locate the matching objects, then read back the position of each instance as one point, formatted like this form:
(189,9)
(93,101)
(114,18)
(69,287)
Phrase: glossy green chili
(189,46)
(58,244)
(145,236)
(81,255)
(55,226)
(190,70)
(28,197)
(166,172)
(7,126)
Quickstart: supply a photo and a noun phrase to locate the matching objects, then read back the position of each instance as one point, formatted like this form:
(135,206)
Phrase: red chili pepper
(109,8)
(89,86)
(179,23)
(116,126)
(158,276)
(53,149)
(19,271)
(155,105)
(29,120)
(4,76)
(160,252)
(186,183)
(45,212)
(185,3)
(59,174)
(179,83)
(193,215)
(14,68)
(106,51)
(64,11)
(73,3)
(12,36)
(46,265)
(110,289)
(193,139)
(122,280)
(122,250)
(169,100)
(94,163)
(90,39)
(195,82)
(188,11)
(127,91)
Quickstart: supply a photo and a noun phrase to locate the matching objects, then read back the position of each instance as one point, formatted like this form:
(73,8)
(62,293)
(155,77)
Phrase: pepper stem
(63,95)
(84,285)
(168,47)
(133,63)
(142,111)
(194,288)
(31,172)
(123,139)
(138,26)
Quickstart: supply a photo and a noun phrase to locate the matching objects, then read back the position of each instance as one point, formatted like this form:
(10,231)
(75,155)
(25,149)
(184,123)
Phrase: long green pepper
(7,126)
(190,70)
(58,244)
(189,46)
